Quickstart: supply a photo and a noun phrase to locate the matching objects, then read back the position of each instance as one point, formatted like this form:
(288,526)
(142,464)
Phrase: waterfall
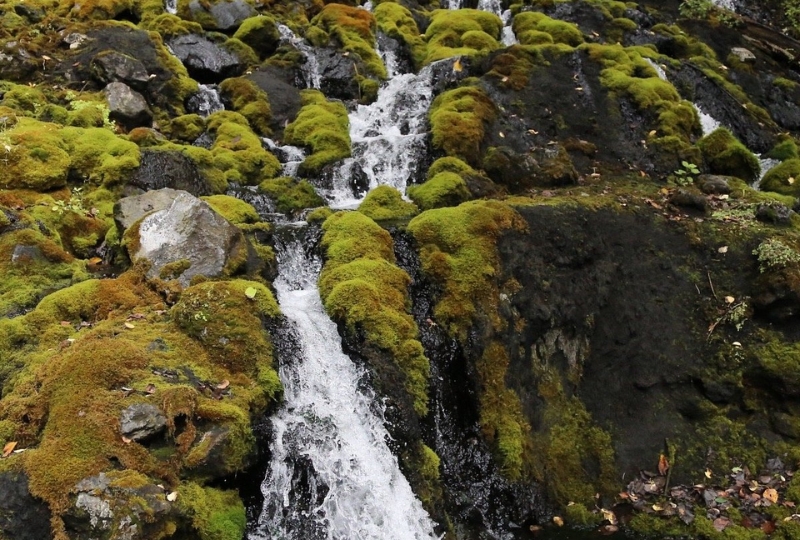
(290,156)
(310,69)
(171,6)
(206,101)
(332,475)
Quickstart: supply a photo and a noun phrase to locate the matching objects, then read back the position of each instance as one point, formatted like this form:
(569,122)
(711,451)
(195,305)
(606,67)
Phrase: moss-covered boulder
(322,126)
(726,155)
(781,178)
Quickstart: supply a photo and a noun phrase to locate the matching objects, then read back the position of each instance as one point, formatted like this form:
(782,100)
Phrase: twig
(671,452)
(712,286)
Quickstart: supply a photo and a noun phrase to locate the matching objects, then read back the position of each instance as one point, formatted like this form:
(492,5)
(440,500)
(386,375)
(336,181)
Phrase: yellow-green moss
(260,33)
(234,210)
(460,32)
(238,152)
(250,101)
(785,148)
(322,126)
(362,287)
(319,215)
(783,178)
(530,25)
(215,514)
(444,189)
(724,154)
(291,195)
(396,21)
(385,202)
(458,120)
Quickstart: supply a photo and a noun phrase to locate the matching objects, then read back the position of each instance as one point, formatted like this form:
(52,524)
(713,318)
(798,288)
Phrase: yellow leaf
(8,448)
(663,465)
(708,473)
(558,521)
(172,497)
(129,326)
(457,67)
(730,299)
(771,495)
(609,516)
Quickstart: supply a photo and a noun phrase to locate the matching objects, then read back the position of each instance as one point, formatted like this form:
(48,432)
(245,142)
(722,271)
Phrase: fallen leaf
(151,388)
(95,260)
(250,292)
(730,299)
(8,448)
(652,133)
(723,249)
(609,516)
(771,495)
(502,135)
(130,326)
(505,79)
(127,440)
(768,527)
(663,465)
(172,497)
(721,523)
(223,385)
(65,323)
(558,521)
(457,67)
(657,508)
(708,473)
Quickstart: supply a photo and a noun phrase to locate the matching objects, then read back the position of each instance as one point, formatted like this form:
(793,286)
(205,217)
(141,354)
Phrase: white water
(329,421)
(207,99)
(171,6)
(290,156)
(310,68)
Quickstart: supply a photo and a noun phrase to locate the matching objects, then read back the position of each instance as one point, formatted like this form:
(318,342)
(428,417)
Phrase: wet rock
(337,74)
(189,230)
(127,106)
(113,66)
(284,97)
(398,51)
(33,14)
(142,421)
(208,452)
(743,55)
(775,213)
(224,15)
(26,254)
(687,199)
(22,517)
(712,184)
(169,169)
(205,60)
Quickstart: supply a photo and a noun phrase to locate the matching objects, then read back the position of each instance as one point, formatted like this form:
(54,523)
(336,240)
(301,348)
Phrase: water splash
(332,475)
(310,68)
(206,101)
(290,156)
(171,6)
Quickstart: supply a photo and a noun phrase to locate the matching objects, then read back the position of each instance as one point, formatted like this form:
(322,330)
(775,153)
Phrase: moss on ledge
(385,203)
(458,120)
(726,155)
(460,32)
(362,287)
(322,126)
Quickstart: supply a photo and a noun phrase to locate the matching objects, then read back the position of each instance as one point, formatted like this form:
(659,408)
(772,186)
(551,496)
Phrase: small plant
(74,204)
(773,255)
(685,175)
(695,9)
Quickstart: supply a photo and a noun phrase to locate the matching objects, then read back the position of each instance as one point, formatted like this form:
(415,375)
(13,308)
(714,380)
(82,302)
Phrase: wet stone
(775,213)
(113,66)
(205,60)
(712,184)
(127,106)
(142,421)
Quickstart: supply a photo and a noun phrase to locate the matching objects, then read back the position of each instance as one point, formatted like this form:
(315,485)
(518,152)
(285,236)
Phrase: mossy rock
(250,101)
(215,514)
(385,203)
(463,32)
(444,189)
(291,195)
(785,149)
(237,151)
(261,34)
(396,21)
(530,25)
(724,154)
(322,126)
(458,121)
(783,178)
(234,210)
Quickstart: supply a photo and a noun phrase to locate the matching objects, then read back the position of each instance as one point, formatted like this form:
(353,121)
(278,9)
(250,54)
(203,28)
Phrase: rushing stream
(332,475)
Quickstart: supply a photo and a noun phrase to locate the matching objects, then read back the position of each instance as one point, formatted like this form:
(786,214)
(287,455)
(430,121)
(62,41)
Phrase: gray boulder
(225,15)
(188,230)
(130,209)
(169,169)
(141,421)
(127,106)
(205,60)
(113,66)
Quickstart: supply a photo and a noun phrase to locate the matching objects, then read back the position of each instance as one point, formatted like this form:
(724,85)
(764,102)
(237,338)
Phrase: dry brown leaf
(771,495)
(721,523)
(730,299)
(95,260)
(663,465)
(609,516)
(558,521)
(8,448)
(723,249)
(151,388)
(223,385)
(126,440)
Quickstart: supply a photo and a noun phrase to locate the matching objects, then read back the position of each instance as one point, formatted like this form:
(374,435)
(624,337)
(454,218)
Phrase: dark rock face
(167,169)
(337,74)
(284,97)
(225,15)
(127,106)
(141,421)
(113,66)
(205,60)
(22,517)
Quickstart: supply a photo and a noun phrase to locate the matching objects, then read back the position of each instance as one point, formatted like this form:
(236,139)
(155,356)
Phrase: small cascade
(310,69)
(507,36)
(171,6)
(206,101)
(290,156)
(332,475)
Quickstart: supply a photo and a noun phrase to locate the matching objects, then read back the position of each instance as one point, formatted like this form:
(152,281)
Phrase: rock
(26,254)
(205,60)
(687,199)
(284,97)
(775,213)
(224,15)
(743,55)
(130,209)
(114,66)
(169,169)
(208,451)
(127,106)
(189,230)
(142,421)
(712,184)
(22,517)
(32,13)
(337,74)
(543,167)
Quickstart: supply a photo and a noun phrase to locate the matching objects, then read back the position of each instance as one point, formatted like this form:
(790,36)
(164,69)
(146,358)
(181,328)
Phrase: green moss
(250,101)
(234,210)
(215,514)
(785,149)
(580,516)
(458,251)
(362,287)
(444,189)
(724,154)
(783,178)
(186,128)
(242,50)
(460,32)
(291,195)
(318,215)
(385,202)
(169,25)
(528,24)
(322,126)
(396,21)
(238,152)
(458,120)
(260,33)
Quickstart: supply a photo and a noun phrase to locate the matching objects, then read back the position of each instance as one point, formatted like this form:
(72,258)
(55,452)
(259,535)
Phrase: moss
(785,149)
(242,50)
(322,126)
(532,21)
(424,465)
(319,215)
(458,120)
(458,252)
(396,21)
(783,178)
(444,189)
(580,516)
(169,25)
(362,287)
(385,202)
(215,514)
(353,30)
(463,32)
(186,128)
(234,210)
(260,33)
(250,101)
(724,154)
(238,152)
(291,195)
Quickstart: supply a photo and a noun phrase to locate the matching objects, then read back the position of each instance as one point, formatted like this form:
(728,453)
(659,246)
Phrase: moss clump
(458,120)
(353,30)
(322,126)
(464,32)
(724,154)
(530,25)
(291,195)
(444,189)
(234,210)
(458,251)
(319,215)
(396,21)
(238,152)
(362,287)
(215,514)
(260,33)
(250,101)
(385,202)
(785,149)
(186,128)
(783,178)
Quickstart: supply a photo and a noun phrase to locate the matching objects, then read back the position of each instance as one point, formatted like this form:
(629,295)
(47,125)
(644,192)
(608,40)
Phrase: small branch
(711,284)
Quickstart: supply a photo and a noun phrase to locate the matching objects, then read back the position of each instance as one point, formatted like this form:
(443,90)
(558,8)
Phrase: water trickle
(206,101)
(310,68)
(171,6)
(290,156)
(332,475)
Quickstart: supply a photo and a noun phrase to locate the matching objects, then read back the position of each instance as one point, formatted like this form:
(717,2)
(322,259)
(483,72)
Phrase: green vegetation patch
(215,514)
(396,21)
(724,154)
(250,101)
(362,287)
(238,152)
(532,27)
(290,194)
(234,210)
(385,202)
(443,189)
(458,121)
(322,126)
(783,178)
(463,32)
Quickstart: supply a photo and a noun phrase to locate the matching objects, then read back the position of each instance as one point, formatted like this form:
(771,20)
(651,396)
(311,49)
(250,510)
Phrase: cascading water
(206,101)
(332,475)
(290,156)
(171,6)
(310,68)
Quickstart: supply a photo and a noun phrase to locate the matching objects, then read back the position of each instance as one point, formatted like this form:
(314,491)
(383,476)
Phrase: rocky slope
(585,310)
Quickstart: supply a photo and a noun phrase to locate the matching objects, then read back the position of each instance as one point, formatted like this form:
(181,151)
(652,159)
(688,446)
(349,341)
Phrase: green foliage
(323,126)
(444,189)
(773,254)
(385,202)
(529,26)
(695,9)
(783,178)
(291,195)
(362,287)
(685,175)
(215,514)
(726,155)
(458,121)
(463,32)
